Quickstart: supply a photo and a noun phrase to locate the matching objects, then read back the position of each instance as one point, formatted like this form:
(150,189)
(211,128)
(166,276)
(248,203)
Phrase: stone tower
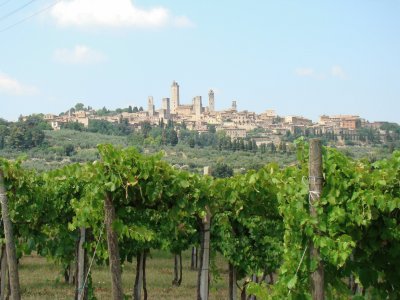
(197,105)
(211,103)
(234,106)
(166,108)
(150,106)
(174,97)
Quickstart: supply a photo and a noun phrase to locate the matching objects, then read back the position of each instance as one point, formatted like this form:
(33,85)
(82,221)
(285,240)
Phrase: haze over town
(304,58)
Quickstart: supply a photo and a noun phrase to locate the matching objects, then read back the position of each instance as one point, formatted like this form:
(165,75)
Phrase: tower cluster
(171,107)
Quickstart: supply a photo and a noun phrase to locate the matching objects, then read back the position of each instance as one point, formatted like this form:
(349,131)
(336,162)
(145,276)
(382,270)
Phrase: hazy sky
(297,57)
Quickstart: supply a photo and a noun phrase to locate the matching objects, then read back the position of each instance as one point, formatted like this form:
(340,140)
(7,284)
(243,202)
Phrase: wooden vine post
(140,284)
(10,245)
(205,258)
(113,249)
(81,291)
(232,282)
(3,272)
(194,259)
(315,191)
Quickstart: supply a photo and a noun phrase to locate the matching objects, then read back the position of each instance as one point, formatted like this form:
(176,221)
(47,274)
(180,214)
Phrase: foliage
(23,135)
(260,220)
(105,127)
(221,170)
(73,126)
(247,227)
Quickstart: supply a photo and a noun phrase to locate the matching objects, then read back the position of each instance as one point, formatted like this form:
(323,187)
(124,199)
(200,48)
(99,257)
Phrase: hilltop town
(236,124)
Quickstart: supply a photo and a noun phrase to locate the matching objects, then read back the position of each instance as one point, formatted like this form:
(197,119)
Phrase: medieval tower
(234,105)
(197,105)
(166,108)
(174,97)
(150,106)
(211,103)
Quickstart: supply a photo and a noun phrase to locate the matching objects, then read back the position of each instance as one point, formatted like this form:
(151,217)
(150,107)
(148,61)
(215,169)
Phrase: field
(41,279)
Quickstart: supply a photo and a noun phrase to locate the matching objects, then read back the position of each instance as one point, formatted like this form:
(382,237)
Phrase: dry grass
(41,279)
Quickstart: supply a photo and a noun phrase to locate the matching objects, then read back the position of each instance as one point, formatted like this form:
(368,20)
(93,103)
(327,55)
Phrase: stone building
(341,121)
(297,120)
(234,133)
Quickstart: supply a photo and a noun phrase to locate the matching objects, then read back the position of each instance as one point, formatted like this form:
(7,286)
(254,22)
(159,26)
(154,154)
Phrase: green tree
(173,137)
(211,128)
(272,147)
(145,128)
(69,149)
(103,112)
(73,126)
(38,122)
(241,145)
(170,124)
(4,132)
(254,145)
(192,142)
(79,106)
(222,170)
(282,147)
(23,136)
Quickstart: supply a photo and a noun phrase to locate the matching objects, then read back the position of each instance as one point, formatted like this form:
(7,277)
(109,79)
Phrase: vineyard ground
(42,279)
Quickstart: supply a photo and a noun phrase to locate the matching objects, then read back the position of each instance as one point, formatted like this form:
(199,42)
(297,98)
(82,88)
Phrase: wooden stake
(137,291)
(232,283)
(315,191)
(81,265)
(193,261)
(113,249)
(204,271)
(175,281)
(3,272)
(180,269)
(10,245)
(204,276)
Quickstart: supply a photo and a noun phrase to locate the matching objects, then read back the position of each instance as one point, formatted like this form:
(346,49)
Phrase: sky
(304,58)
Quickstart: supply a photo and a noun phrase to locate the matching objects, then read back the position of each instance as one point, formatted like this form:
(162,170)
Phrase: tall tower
(234,106)
(166,108)
(150,106)
(211,103)
(197,105)
(174,97)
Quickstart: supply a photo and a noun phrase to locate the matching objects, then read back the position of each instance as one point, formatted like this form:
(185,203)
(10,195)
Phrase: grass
(41,279)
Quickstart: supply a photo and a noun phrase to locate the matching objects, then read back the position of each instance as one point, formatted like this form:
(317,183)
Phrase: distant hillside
(68,146)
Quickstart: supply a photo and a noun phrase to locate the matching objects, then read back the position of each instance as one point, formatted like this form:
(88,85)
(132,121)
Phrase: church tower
(211,103)
(174,97)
